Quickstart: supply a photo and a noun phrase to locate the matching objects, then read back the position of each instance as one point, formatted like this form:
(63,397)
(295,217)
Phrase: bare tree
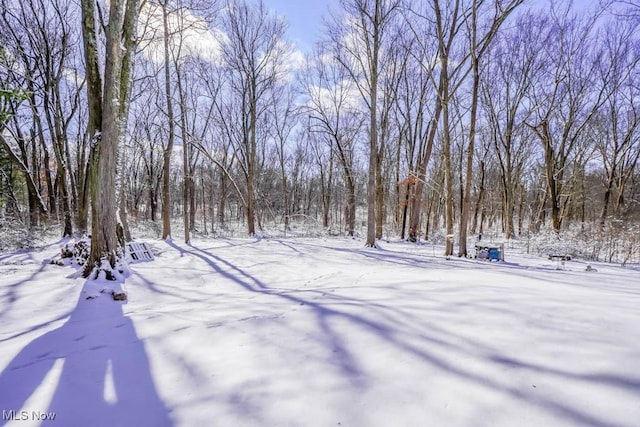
(361,42)
(323,156)
(283,118)
(168,49)
(38,50)
(417,120)
(388,131)
(480,36)
(447,24)
(622,8)
(566,98)
(511,66)
(444,21)
(620,115)
(146,139)
(105,117)
(333,113)
(254,51)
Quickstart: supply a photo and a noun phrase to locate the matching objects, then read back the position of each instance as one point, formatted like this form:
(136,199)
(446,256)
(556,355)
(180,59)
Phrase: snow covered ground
(320,332)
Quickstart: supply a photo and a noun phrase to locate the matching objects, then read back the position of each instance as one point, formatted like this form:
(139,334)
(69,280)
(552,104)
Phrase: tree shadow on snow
(10,294)
(91,371)
(425,344)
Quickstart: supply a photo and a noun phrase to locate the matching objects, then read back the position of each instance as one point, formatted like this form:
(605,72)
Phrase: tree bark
(168,150)
(106,123)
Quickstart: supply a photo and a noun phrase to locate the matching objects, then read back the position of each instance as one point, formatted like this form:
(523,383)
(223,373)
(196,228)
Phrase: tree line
(410,118)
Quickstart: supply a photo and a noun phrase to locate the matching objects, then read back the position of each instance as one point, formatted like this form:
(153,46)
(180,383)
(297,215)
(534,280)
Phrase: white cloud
(343,95)
(190,35)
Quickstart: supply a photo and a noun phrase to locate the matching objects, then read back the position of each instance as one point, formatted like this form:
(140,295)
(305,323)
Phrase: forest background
(447,121)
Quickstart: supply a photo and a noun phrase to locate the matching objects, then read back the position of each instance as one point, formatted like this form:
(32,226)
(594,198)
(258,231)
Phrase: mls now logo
(26,415)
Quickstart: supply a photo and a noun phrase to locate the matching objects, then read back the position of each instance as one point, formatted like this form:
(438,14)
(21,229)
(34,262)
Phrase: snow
(320,332)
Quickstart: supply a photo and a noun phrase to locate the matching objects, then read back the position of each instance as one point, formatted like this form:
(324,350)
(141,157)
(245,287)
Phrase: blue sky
(304,18)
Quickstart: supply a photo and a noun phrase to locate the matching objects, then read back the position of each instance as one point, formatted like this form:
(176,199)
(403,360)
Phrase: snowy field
(320,332)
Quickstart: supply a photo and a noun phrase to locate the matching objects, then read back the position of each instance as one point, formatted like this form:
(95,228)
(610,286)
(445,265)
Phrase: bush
(616,242)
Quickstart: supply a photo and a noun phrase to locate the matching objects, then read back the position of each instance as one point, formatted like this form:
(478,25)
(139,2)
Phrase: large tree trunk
(103,236)
(94,100)
(106,110)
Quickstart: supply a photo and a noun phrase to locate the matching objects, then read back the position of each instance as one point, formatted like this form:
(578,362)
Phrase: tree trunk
(105,138)
(416,205)
(186,172)
(479,198)
(285,190)
(103,235)
(466,195)
(122,211)
(251,167)
(448,171)
(36,204)
(350,212)
(192,200)
(222,198)
(553,184)
(371,181)
(405,209)
(46,161)
(446,139)
(380,207)
(326,194)
(168,150)
(251,214)
(66,205)
(606,201)
(374,46)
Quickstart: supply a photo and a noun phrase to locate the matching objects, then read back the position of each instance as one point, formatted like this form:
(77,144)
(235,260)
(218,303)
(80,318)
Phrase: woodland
(420,120)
